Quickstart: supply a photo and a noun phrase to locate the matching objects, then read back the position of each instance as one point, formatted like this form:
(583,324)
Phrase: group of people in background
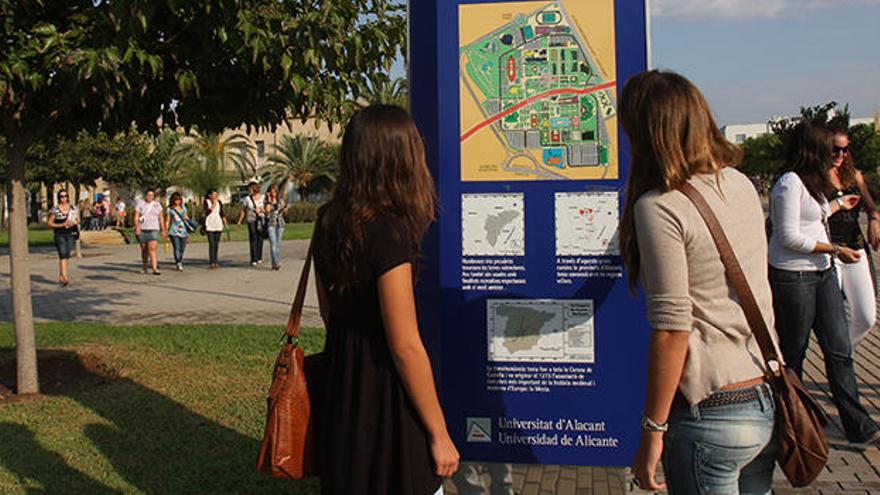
(264,215)
(153,223)
(709,412)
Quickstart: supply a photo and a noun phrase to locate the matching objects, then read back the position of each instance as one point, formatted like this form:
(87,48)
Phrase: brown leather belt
(726,397)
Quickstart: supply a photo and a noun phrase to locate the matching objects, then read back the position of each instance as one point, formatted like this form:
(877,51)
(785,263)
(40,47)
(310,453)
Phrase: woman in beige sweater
(708,411)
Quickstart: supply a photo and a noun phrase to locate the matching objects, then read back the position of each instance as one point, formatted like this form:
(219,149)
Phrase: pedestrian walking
(149,227)
(120,212)
(806,290)
(855,278)
(276,209)
(708,411)
(177,219)
(215,221)
(380,399)
(63,219)
(254,213)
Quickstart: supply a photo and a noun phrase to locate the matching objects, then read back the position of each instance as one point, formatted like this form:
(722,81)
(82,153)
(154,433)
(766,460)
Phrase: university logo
(479,430)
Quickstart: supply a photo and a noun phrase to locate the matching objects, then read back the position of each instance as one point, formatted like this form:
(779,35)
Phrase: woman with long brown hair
(276,209)
(806,291)
(381,428)
(708,412)
(855,278)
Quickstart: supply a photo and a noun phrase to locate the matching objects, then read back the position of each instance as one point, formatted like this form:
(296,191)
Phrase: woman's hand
(874,233)
(445,456)
(849,201)
(644,468)
(848,255)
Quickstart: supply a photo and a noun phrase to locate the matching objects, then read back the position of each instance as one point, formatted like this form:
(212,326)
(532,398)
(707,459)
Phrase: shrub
(302,212)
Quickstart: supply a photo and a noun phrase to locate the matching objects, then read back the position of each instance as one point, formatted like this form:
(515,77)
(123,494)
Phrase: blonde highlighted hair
(673,136)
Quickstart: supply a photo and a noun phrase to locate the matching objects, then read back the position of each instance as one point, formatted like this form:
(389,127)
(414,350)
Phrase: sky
(755,59)
(758,59)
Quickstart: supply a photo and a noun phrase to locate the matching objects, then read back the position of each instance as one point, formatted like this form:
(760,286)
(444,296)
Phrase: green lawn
(37,236)
(183,414)
(42,236)
(292,231)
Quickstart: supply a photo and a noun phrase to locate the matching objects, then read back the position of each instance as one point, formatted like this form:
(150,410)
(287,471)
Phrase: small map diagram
(541,330)
(537,90)
(493,224)
(587,223)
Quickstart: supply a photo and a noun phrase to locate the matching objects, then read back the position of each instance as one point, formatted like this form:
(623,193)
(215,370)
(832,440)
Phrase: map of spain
(541,330)
(537,91)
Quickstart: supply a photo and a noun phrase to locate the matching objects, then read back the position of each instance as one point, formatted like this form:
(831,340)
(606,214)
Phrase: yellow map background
(481,154)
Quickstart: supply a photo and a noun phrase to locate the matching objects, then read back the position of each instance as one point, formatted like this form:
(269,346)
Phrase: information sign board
(538,344)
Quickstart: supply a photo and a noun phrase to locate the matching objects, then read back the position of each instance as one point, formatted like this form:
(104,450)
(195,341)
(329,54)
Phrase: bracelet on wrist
(835,251)
(649,424)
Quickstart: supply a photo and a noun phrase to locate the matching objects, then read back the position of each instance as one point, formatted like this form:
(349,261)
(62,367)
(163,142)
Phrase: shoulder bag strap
(299,300)
(735,275)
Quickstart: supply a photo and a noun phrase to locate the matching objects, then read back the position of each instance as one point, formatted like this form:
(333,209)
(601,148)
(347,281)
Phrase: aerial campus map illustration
(538,91)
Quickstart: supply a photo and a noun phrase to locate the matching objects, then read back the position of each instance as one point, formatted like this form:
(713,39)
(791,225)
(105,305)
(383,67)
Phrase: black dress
(370,436)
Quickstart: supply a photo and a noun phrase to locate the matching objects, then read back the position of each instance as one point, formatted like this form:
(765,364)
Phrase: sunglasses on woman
(841,150)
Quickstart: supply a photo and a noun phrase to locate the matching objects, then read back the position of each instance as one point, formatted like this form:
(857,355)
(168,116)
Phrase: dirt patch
(61,372)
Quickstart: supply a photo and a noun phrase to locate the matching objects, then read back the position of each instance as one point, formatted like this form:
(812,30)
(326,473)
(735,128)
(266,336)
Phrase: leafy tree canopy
(72,64)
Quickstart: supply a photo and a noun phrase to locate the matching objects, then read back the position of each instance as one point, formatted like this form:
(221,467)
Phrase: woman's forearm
(397,303)
(667,351)
(415,371)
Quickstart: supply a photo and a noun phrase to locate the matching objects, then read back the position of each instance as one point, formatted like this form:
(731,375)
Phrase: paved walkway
(109,287)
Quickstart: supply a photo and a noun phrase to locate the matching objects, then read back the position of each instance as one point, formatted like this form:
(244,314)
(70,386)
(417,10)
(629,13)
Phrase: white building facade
(738,133)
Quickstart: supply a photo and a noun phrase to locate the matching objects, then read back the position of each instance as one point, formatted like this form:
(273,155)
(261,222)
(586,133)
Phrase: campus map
(540,330)
(537,91)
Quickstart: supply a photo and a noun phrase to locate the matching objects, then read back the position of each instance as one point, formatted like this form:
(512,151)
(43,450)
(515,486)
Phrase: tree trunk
(3,207)
(22,310)
(304,194)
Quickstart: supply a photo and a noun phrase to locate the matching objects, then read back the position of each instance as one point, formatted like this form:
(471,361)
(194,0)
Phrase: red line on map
(529,101)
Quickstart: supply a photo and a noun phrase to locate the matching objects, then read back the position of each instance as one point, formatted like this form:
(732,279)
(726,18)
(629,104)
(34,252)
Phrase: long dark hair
(672,136)
(382,170)
(808,154)
(847,171)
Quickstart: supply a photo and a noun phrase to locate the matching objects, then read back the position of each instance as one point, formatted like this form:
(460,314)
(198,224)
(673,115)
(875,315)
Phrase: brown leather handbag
(289,447)
(800,422)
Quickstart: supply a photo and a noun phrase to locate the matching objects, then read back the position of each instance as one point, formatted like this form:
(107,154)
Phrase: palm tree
(383,90)
(300,161)
(209,161)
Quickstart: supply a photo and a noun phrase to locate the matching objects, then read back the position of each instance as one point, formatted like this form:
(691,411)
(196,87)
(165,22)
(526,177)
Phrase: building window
(261,149)
(740,138)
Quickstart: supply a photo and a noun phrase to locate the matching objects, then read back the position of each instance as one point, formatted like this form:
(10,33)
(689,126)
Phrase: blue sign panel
(539,347)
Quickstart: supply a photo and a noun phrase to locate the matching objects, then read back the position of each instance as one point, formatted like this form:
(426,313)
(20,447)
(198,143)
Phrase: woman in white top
(149,226)
(120,212)
(254,212)
(806,292)
(64,221)
(215,221)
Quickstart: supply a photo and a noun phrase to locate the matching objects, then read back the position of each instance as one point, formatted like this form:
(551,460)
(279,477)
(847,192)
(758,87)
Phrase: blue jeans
(179,244)
(813,300)
(275,235)
(721,450)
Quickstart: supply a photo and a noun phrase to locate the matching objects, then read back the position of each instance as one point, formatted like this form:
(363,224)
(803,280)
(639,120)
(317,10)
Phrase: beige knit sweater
(685,284)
